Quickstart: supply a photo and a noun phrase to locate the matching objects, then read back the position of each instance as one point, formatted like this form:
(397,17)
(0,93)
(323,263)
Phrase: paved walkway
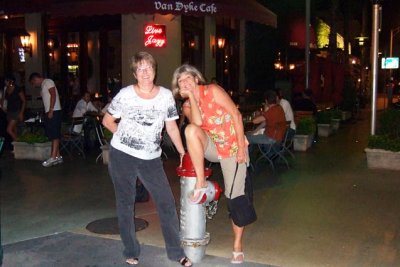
(327,210)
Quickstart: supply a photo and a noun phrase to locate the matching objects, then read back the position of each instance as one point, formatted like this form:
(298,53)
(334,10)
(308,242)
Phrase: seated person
(305,103)
(275,122)
(287,108)
(84,105)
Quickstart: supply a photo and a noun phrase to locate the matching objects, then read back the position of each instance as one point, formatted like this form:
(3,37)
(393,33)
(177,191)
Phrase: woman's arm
(174,134)
(109,123)
(224,100)
(192,112)
(23,105)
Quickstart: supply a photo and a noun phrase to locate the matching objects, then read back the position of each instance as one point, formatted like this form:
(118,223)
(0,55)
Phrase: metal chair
(275,151)
(100,137)
(73,140)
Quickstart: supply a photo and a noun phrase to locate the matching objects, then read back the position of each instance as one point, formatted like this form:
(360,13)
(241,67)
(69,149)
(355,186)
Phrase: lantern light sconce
(221,42)
(25,42)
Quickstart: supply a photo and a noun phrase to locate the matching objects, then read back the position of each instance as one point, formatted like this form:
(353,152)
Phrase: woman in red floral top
(216,133)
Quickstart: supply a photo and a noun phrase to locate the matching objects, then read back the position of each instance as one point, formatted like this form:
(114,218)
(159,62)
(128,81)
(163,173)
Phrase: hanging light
(25,42)
(221,42)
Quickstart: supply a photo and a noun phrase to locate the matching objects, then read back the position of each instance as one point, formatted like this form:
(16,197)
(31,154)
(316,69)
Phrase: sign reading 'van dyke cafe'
(186,7)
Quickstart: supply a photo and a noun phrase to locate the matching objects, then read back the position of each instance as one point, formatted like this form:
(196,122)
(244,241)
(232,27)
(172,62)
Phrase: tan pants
(228,166)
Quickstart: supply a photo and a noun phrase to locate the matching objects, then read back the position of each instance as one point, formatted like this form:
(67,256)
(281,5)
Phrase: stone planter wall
(383,159)
(324,130)
(38,151)
(302,142)
(346,115)
(335,124)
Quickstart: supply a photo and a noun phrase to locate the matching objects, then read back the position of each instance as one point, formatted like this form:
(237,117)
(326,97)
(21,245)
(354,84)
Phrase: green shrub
(336,114)
(32,138)
(389,123)
(306,126)
(324,117)
(388,137)
(384,142)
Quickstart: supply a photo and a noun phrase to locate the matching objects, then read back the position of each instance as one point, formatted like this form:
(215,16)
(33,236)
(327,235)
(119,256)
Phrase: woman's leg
(228,166)
(154,179)
(123,171)
(237,237)
(196,140)
(12,129)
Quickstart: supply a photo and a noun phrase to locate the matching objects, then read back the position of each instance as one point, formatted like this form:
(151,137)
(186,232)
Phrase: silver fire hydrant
(194,237)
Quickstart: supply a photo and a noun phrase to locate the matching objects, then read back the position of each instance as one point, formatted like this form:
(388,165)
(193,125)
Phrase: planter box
(383,159)
(324,130)
(105,150)
(37,151)
(346,115)
(302,142)
(335,124)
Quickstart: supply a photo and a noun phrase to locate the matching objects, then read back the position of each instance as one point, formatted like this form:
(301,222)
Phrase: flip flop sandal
(184,261)
(235,256)
(132,261)
(201,193)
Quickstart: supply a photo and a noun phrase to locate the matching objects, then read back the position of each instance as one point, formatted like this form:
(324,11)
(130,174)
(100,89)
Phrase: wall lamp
(221,42)
(25,42)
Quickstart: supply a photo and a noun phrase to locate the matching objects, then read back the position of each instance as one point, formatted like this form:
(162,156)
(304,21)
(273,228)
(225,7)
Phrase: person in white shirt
(287,108)
(84,105)
(53,118)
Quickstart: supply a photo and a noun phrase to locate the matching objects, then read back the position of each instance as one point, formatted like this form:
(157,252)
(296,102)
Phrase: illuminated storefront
(95,39)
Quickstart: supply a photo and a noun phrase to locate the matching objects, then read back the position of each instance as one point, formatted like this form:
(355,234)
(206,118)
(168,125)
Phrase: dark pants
(124,170)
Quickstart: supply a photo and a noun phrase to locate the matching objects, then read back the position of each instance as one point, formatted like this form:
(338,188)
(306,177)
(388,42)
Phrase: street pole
(374,60)
(307,44)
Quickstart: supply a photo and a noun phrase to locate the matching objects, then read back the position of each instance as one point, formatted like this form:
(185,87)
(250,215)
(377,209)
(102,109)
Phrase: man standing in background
(53,118)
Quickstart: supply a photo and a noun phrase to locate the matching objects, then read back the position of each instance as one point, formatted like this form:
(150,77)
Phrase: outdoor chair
(274,152)
(289,136)
(100,138)
(74,141)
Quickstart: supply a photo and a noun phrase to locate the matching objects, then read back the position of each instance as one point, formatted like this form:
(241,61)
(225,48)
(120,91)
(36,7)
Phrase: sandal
(199,195)
(132,261)
(185,262)
(237,257)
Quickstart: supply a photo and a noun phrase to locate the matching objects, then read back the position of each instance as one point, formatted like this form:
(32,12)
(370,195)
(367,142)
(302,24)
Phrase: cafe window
(192,41)
(228,53)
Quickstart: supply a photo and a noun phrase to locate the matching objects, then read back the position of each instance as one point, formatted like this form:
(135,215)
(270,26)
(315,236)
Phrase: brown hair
(185,68)
(140,57)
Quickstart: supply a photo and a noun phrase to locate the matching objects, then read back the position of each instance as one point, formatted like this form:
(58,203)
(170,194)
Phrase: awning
(243,9)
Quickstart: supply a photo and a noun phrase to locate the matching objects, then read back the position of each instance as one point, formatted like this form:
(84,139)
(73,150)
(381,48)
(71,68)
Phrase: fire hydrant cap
(187,169)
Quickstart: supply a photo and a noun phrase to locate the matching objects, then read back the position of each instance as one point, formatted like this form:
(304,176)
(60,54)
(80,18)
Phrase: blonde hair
(140,57)
(185,69)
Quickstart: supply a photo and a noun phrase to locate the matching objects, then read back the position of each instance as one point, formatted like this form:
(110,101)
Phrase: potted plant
(324,123)
(304,136)
(383,150)
(32,146)
(335,119)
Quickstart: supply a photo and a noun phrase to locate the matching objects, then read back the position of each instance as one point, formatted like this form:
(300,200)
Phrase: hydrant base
(195,249)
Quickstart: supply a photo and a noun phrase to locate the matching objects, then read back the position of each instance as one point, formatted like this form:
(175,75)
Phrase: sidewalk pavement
(327,210)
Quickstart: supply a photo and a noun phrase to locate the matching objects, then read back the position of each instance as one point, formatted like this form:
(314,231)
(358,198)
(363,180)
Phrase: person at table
(275,122)
(16,103)
(53,118)
(83,106)
(305,102)
(143,109)
(215,132)
(287,108)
